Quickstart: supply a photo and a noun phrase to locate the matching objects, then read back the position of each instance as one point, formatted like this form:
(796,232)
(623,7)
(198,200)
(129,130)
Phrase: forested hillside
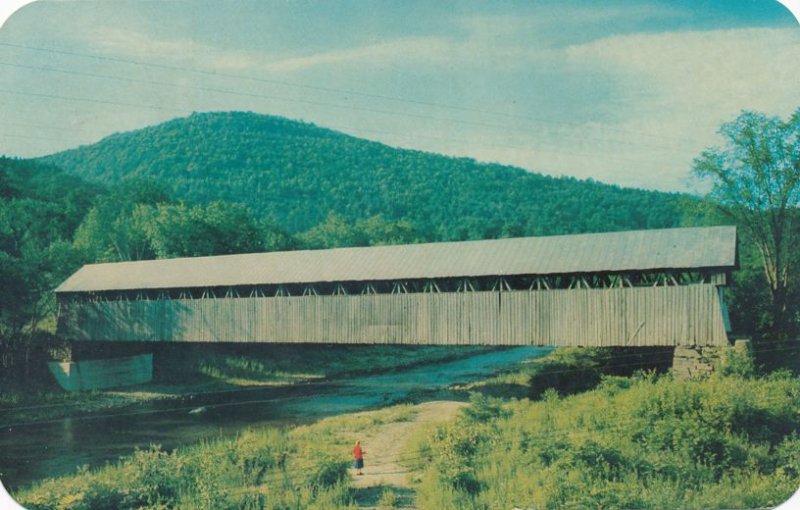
(300,175)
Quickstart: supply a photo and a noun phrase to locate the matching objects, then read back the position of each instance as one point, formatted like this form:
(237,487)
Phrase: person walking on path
(358,457)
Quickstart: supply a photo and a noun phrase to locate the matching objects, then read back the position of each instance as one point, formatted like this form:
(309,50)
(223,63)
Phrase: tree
(755,180)
(376,230)
(39,210)
(112,231)
(218,228)
(275,238)
(334,232)
(337,232)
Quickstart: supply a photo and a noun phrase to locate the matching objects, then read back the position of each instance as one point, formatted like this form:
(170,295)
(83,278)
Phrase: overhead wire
(350,92)
(92,100)
(418,136)
(36,137)
(315,103)
(527,149)
(481,143)
(214,73)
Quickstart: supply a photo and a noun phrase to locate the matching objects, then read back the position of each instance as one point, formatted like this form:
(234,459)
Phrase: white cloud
(702,75)
(383,52)
(673,91)
(130,43)
(669,91)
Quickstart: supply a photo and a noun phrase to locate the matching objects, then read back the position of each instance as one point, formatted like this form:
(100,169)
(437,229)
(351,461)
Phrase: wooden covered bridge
(641,288)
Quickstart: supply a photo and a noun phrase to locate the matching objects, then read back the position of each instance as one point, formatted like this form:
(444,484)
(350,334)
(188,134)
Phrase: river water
(36,451)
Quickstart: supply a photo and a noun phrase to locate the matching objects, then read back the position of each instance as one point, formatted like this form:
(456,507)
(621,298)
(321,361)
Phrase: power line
(315,103)
(533,150)
(46,126)
(184,111)
(334,90)
(90,100)
(35,137)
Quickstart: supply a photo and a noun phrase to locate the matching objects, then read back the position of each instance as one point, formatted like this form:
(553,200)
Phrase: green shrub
(455,448)
(645,441)
(568,371)
(155,477)
(102,496)
(258,470)
(257,454)
(327,472)
(482,408)
(787,457)
(738,362)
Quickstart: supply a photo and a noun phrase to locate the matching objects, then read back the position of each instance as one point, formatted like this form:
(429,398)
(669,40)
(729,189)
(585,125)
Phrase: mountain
(298,174)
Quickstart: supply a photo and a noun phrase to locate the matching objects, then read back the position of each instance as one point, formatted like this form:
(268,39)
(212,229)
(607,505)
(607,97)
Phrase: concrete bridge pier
(102,365)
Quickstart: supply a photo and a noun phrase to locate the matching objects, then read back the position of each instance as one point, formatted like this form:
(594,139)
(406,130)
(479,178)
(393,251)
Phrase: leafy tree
(755,179)
(39,209)
(6,189)
(333,233)
(219,228)
(275,238)
(111,232)
(338,232)
(377,230)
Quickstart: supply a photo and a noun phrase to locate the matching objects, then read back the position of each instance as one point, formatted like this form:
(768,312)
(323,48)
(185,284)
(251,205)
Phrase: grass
(646,441)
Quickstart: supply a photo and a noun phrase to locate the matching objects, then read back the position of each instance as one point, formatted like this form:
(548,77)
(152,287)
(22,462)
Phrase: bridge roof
(642,250)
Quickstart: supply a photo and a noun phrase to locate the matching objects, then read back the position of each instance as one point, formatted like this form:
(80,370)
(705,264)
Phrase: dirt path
(386,446)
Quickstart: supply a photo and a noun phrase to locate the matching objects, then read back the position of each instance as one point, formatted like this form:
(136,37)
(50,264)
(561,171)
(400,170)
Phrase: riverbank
(266,467)
(187,373)
(641,441)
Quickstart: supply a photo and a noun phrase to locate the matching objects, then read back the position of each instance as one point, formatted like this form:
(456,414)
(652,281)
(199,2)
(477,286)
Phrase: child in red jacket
(358,457)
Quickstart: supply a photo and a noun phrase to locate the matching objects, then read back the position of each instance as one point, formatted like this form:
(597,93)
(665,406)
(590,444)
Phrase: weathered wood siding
(639,316)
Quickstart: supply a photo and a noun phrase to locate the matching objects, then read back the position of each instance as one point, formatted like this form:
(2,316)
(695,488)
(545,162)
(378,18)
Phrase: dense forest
(298,174)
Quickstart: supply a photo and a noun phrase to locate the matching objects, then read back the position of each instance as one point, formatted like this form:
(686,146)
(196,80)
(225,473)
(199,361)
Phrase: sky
(624,92)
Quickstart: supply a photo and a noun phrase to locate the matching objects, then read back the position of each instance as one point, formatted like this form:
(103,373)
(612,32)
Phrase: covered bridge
(640,288)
